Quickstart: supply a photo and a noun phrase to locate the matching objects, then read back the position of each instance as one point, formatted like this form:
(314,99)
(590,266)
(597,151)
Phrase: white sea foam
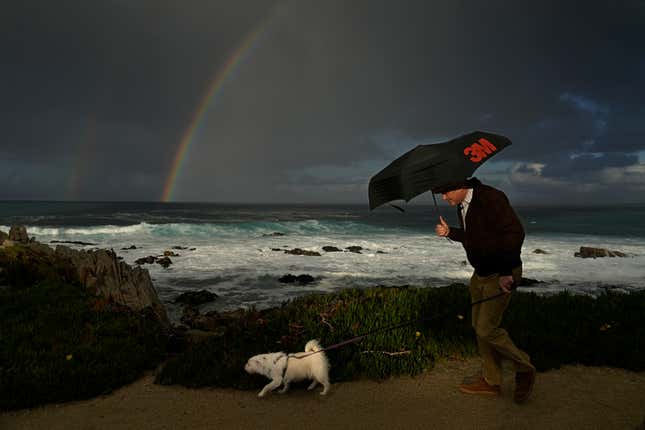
(237,261)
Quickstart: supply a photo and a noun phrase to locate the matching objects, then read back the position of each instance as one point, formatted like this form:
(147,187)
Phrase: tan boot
(480,387)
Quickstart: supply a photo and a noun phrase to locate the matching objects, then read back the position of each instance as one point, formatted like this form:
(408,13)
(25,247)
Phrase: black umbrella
(433,167)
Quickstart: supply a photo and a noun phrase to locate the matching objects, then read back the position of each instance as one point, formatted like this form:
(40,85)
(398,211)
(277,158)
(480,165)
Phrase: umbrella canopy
(430,167)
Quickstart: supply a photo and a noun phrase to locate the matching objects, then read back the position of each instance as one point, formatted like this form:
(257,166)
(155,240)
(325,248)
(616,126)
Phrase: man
(492,236)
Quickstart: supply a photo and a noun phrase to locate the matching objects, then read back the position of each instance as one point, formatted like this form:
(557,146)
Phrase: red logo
(480,150)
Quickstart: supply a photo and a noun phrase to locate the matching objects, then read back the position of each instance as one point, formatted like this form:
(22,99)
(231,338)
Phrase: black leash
(403,324)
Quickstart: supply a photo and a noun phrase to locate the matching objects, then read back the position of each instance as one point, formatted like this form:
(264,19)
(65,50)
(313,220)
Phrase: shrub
(60,343)
(554,330)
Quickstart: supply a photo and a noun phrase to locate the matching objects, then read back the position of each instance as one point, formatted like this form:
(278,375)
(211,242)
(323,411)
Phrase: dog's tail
(312,346)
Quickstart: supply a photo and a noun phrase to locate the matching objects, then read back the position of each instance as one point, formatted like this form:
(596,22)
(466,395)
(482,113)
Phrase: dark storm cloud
(329,93)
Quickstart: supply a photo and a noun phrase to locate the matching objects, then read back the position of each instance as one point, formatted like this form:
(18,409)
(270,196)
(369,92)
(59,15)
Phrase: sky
(303,101)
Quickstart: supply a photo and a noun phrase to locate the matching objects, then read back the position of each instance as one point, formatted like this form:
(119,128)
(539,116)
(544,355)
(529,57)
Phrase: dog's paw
(261,394)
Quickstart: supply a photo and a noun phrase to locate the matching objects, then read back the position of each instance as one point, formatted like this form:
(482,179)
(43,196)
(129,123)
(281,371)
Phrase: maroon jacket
(494,235)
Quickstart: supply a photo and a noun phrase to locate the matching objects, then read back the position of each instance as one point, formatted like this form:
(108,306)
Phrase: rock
(7,243)
(101,272)
(590,252)
(3,236)
(381,252)
(288,279)
(464,263)
(527,282)
(276,249)
(331,249)
(305,279)
(146,260)
(18,233)
(73,242)
(300,279)
(539,251)
(164,261)
(170,254)
(355,249)
(180,247)
(195,298)
(274,234)
(298,251)
(128,248)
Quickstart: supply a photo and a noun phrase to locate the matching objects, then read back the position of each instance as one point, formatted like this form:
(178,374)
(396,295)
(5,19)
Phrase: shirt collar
(468,198)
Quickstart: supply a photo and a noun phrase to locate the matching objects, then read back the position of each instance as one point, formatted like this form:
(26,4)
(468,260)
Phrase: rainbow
(225,74)
(85,148)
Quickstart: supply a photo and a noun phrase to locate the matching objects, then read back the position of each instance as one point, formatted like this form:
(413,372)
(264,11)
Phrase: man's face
(455,197)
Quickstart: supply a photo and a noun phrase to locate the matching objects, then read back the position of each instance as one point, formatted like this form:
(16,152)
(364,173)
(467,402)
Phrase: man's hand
(442,229)
(506,283)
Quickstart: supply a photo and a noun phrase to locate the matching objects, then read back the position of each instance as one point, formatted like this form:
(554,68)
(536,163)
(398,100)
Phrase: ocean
(238,249)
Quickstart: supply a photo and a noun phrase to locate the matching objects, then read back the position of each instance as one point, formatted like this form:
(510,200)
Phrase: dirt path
(573,397)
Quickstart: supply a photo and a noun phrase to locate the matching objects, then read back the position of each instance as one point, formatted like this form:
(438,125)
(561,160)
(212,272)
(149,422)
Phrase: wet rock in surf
(331,249)
(298,251)
(195,298)
(527,282)
(150,259)
(300,279)
(73,242)
(164,261)
(539,251)
(355,249)
(590,252)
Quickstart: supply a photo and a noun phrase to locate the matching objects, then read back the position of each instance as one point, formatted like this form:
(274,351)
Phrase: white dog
(283,368)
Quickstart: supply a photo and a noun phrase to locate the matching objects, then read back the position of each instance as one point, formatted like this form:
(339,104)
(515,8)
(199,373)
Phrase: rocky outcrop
(18,233)
(73,242)
(195,298)
(103,273)
(150,259)
(298,251)
(539,251)
(183,247)
(355,249)
(590,252)
(331,249)
(164,262)
(527,282)
(300,279)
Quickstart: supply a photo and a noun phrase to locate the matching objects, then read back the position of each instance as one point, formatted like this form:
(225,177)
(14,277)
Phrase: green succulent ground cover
(59,342)
(554,330)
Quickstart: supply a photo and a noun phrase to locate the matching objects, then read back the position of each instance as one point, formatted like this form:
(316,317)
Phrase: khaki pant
(494,343)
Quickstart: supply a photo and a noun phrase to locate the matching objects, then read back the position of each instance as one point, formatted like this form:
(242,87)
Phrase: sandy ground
(573,397)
